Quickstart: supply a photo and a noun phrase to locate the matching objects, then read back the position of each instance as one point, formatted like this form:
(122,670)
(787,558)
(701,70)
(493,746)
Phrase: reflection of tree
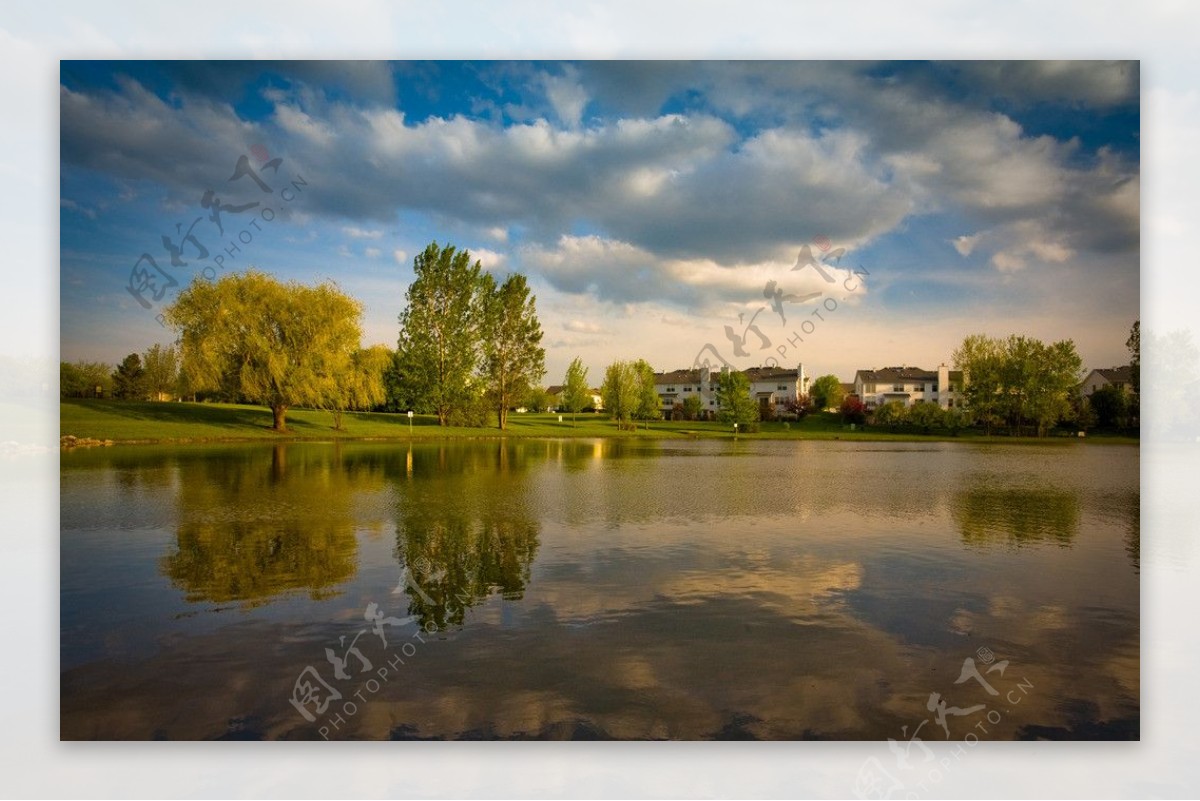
(465,527)
(255,523)
(994,515)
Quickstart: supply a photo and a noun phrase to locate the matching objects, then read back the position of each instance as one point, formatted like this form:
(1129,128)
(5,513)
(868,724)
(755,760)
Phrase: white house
(909,385)
(770,386)
(1119,377)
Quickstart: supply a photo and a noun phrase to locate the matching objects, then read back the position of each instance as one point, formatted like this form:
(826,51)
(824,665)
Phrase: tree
(981,359)
(1134,343)
(892,414)
(734,404)
(693,407)
(649,405)
(513,357)
(70,381)
(576,396)
(129,378)
(799,407)
(827,392)
(361,384)
(852,411)
(161,371)
(537,399)
(1018,380)
(1111,407)
(278,344)
(620,392)
(441,331)
(925,416)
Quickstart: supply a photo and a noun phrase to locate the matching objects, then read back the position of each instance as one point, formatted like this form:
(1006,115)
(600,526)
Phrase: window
(670,389)
(868,387)
(782,387)
(897,387)
(687,389)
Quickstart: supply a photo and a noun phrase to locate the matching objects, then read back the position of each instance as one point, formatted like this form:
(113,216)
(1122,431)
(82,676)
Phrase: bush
(853,411)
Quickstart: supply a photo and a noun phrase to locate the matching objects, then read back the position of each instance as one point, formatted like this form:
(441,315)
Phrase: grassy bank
(130,421)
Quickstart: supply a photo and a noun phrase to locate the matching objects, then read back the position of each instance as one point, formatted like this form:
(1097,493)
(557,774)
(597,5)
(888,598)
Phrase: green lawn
(131,421)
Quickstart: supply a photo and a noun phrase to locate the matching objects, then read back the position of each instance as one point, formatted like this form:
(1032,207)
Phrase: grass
(132,421)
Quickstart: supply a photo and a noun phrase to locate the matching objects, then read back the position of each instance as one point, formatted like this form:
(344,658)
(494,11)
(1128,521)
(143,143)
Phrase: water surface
(606,589)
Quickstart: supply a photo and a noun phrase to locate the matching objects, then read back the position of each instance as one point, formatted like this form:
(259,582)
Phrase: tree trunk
(501,416)
(279,411)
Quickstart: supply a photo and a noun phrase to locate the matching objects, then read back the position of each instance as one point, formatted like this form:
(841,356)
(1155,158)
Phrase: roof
(885,374)
(1116,375)
(771,374)
(555,389)
(678,377)
(847,388)
(897,374)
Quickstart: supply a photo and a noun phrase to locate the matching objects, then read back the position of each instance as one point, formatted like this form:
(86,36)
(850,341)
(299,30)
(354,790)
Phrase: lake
(629,589)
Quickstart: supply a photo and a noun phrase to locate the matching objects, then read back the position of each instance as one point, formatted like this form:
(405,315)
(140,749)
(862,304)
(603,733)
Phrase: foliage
(893,414)
(576,395)
(649,406)
(853,411)
(692,407)
(442,330)
(734,404)
(277,344)
(827,392)
(1134,343)
(129,379)
(1019,380)
(926,416)
(537,399)
(620,392)
(513,359)
(161,367)
(361,386)
(1111,407)
(80,379)
(800,407)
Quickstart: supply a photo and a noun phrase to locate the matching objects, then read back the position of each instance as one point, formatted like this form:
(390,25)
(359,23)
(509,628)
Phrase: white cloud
(400,256)
(489,259)
(965,244)
(1007,262)
(372,253)
(354,232)
(583,327)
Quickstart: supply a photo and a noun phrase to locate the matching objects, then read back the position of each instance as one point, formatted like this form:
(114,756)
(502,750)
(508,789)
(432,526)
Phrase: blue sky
(650,203)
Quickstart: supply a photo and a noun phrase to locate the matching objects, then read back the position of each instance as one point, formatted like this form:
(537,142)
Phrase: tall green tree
(620,392)
(513,357)
(129,380)
(161,367)
(734,404)
(649,405)
(281,345)
(892,414)
(442,329)
(981,359)
(576,395)
(827,392)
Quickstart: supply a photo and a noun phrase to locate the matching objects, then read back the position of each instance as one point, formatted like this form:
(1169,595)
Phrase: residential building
(1119,377)
(555,392)
(909,385)
(770,386)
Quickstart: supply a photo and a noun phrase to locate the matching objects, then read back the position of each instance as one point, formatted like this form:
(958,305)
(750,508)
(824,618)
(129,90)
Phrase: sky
(842,215)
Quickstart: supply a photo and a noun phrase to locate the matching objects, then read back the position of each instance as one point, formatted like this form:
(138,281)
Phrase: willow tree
(361,385)
(278,344)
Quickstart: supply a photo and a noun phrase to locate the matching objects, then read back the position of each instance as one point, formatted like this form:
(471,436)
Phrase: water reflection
(465,527)
(615,589)
(988,515)
(268,522)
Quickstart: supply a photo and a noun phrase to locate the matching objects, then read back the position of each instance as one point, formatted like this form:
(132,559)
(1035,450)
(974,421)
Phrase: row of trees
(152,375)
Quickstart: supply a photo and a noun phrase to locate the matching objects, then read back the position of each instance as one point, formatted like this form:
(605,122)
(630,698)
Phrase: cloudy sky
(657,207)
